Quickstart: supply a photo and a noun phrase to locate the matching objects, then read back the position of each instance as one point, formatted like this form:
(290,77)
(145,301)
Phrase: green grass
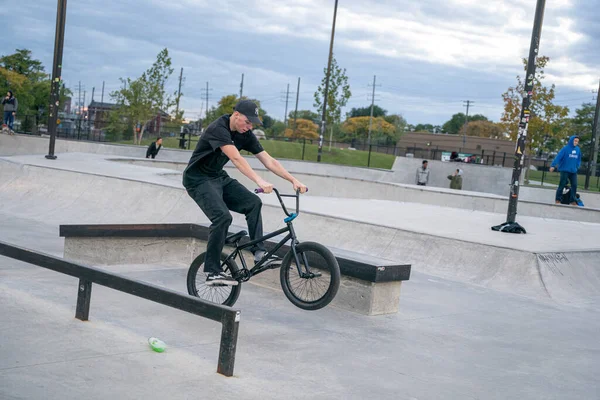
(554,179)
(293,151)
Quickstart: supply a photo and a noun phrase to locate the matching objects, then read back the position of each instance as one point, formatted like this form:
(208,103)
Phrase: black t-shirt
(208,160)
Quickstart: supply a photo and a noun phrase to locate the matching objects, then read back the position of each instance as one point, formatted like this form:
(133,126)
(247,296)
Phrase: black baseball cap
(249,110)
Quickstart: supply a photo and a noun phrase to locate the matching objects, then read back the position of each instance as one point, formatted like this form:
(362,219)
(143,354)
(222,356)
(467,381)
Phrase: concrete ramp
(556,261)
(571,276)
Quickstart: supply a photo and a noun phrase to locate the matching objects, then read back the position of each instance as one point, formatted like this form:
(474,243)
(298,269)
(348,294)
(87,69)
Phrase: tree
(358,127)
(267,121)
(424,128)
(305,114)
(337,96)
(456,123)
(25,76)
(485,129)
(145,98)
(304,129)
(582,124)
(547,120)
(22,64)
(366,112)
(398,121)
(226,105)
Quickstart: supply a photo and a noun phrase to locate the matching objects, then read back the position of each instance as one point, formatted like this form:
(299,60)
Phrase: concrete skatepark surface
(484,316)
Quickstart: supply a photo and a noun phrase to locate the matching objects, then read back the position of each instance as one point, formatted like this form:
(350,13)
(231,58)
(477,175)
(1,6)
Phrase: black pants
(564,177)
(216,196)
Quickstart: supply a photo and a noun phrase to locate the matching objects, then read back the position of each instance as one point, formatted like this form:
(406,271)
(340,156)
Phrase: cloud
(438,53)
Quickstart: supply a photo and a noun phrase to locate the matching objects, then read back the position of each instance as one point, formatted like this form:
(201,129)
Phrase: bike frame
(291,235)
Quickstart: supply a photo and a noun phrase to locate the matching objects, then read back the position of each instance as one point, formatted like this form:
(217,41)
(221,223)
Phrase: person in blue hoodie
(568,161)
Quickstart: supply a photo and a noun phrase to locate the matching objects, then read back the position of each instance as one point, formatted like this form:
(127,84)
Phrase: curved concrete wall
(64,197)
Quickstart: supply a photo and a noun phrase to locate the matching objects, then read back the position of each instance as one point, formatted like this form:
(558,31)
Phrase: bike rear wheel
(313,289)
(196,282)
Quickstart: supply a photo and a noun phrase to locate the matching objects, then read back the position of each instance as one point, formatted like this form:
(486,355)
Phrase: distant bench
(370,285)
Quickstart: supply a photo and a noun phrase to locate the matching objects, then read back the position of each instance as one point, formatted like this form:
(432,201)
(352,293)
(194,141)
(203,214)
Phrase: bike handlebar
(261,190)
(279,197)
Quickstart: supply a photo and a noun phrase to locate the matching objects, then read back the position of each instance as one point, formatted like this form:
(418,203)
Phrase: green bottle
(157,344)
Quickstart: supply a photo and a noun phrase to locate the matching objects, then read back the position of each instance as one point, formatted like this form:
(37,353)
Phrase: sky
(428,56)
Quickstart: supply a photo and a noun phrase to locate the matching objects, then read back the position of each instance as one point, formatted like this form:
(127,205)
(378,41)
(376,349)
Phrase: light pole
(61,16)
(324,116)
(511,226)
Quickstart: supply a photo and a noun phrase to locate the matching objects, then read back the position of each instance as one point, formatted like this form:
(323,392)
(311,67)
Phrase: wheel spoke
(308,289)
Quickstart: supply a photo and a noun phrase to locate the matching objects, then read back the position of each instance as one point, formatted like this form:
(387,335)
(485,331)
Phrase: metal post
(242,87)
(369,159)
(229,335)
(469,102)
(594,144)
(544,171)
(287,97)
(61,16)
(372,105)
(84,297)
(303,147)
(324,116)
(296,111)
(178,93)
(511,225)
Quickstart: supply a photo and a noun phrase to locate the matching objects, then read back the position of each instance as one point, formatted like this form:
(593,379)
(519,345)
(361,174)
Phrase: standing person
(423,174)
(11,104)
(568,161)
(154,148)
(456,179)
(216,193)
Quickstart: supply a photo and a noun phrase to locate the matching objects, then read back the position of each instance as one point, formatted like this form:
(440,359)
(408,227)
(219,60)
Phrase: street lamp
(327,85)
(59,39)
(511,226)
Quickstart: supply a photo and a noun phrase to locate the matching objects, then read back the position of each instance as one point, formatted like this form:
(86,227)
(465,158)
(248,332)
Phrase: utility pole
(511,226)
(206,98)
(324,115)
(59,39)
(79,100)
(102,98)
(178,94)
(372,105)
(92,102)
(287,97)
(296,111)
(242,87)
(592,167)
(468,103)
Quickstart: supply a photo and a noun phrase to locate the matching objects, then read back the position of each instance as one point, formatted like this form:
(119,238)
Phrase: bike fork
(295,242)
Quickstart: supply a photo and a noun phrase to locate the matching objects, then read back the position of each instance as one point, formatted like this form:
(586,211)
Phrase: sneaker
(220,279)
(271,262)
(557,202)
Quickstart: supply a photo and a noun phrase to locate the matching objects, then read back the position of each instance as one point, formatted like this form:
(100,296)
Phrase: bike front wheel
(196,282)
(314,283)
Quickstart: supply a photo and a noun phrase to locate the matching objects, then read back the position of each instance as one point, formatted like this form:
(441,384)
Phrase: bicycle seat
(235,237)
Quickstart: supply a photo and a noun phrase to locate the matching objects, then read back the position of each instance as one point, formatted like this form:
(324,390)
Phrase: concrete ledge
(370,285)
